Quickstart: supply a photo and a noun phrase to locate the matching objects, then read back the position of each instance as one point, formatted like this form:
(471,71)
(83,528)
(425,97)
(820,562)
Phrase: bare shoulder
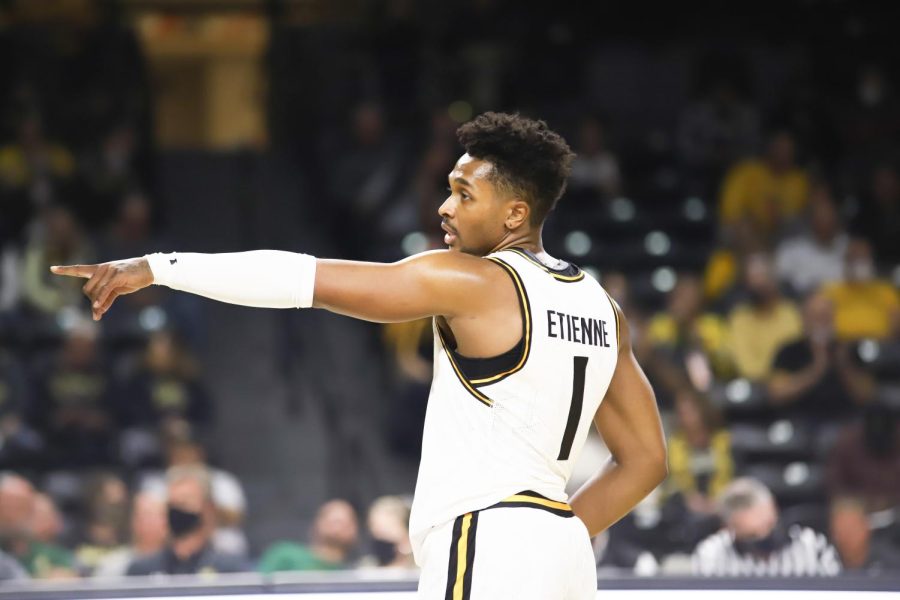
(458,264)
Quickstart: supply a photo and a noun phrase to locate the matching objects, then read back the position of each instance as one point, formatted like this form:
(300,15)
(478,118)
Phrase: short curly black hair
(529,158)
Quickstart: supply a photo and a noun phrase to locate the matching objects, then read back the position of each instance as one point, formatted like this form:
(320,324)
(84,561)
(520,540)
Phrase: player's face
(474,214)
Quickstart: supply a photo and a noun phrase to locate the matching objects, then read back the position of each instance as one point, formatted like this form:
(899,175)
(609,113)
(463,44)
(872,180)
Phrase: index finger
(85,271)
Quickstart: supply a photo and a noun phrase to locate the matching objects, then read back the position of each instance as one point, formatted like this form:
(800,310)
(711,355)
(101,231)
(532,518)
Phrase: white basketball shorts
(526,547)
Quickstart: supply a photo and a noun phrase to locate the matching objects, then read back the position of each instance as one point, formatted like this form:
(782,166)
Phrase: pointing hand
(108,281)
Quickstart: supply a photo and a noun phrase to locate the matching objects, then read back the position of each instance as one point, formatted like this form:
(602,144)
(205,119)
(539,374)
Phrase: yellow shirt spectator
(755,336)
(865,309)
(720,275)
(685,461)
(16,172)
(708,330)
(754,191)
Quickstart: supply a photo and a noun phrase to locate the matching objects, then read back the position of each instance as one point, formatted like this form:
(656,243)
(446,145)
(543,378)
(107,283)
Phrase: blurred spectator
(721,277)
(20,446)
(109,174)
(227,492)
(595,170)
(333,537)
(410,345)
(366,177)
(10,271)
(429,186)
(17,537)
(878,218)
(149,531)
(29,169)
(754,543)
(689,345)
(861,549)
(72,408)
(192,521)
(716,130)
(131,232)
(768,192)
(48,522)
(817,255)
(816,375)
(57,239)
(763,323)
(865,306)
(10,569)
(389,529)
(616,285)
(700,461)
(167,388)
(865,462)
(107,517)
(871,121)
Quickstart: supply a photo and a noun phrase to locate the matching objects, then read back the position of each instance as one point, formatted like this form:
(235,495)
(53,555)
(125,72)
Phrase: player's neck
(528,240)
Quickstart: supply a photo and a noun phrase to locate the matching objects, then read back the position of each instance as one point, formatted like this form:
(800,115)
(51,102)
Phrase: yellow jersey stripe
(461,548)
(541,501)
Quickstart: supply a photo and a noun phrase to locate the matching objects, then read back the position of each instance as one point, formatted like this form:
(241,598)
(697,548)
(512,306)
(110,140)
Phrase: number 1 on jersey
(575,408)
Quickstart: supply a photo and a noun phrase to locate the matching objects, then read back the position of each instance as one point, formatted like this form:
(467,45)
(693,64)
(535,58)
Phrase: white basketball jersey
(498,426)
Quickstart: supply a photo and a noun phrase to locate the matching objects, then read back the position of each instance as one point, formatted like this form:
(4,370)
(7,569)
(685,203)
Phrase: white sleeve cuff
(261,278)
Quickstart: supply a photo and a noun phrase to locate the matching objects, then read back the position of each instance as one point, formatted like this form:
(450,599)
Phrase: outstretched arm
(432,283)
(628,421)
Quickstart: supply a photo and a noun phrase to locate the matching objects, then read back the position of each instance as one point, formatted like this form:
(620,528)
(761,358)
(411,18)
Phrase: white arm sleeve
(261,278)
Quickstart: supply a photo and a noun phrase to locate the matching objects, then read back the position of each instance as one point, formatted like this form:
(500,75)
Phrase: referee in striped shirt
(754,543)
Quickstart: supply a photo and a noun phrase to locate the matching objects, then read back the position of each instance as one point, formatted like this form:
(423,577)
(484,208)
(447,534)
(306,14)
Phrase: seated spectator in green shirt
(335,533)
(18,501)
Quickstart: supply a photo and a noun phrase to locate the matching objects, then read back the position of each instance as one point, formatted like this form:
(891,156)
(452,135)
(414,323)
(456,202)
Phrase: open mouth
(450,235)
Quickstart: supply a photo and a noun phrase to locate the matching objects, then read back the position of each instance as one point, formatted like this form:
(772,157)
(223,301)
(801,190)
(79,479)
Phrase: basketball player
(529,350)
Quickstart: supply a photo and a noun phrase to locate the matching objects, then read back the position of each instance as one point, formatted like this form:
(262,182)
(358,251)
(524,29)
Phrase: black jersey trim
(486,371)
(529,499)
(490,375)
(459,374)
(569,274)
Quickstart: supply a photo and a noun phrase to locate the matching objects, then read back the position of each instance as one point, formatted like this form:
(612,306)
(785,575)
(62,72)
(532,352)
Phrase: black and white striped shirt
(807,553)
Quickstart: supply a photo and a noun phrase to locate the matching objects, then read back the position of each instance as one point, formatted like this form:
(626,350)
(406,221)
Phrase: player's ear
(519,211)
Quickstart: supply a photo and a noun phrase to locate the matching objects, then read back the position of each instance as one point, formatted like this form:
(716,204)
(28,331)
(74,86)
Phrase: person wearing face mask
(192,521)
(816,376)
(389,529)
(754,542)
(762,323)
(865,306)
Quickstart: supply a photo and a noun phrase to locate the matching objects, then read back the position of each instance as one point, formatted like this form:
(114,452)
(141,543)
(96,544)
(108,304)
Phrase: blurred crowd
(185,522)
(753,245)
